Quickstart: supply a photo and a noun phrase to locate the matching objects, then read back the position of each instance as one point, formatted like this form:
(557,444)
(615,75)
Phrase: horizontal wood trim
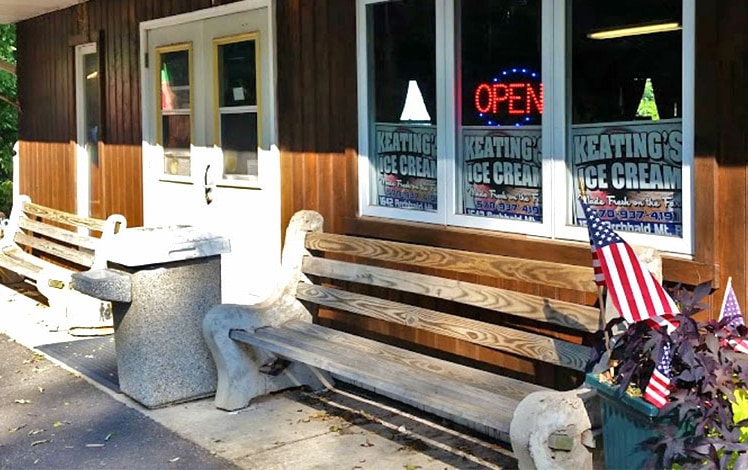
(537,272)
(58,216)
(78,257)
(542,348)
(57,233)
(533,307)
(675,269)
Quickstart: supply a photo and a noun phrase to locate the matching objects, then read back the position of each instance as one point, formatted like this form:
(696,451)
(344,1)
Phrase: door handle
(208,187)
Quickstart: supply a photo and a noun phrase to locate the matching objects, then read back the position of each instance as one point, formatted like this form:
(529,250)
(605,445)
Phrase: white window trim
(554,135)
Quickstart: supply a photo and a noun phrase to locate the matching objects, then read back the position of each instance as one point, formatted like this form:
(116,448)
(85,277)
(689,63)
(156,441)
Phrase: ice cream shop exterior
(460,124)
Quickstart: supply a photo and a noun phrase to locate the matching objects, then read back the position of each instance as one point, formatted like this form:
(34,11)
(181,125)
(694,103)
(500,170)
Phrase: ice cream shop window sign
(514,97)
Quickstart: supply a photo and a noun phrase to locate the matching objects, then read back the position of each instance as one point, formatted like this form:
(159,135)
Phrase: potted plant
(704,421)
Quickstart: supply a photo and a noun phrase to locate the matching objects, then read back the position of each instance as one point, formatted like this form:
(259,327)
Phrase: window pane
(402,123)
(502,108)
(626,134)
(175,80)
(175,111)
(239,144)
(237,72)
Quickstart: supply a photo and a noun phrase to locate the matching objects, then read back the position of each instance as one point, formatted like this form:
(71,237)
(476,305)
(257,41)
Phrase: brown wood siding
(46,65)
(317,108)
(729,91)
(47,172)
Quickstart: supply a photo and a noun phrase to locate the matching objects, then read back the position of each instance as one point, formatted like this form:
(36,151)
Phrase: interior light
(92,75)
(635,30)
(414,108)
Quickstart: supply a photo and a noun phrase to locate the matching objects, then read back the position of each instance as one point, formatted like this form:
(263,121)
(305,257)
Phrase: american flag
(731,311)
(658,387)
(634,290)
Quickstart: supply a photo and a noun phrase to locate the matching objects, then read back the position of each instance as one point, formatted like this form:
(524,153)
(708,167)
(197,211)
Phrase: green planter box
(627,421)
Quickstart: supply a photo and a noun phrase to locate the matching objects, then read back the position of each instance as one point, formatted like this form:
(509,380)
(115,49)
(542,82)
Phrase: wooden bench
(329,276)
(44,246)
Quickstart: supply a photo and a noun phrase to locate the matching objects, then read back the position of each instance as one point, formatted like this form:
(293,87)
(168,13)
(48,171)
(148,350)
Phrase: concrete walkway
(344,429)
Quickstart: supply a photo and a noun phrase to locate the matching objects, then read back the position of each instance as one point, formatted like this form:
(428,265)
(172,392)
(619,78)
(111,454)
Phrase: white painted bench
(45,246)
(271,345)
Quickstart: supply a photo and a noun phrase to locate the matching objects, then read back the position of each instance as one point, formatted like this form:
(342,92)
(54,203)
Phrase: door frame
(147,119)
(82,159)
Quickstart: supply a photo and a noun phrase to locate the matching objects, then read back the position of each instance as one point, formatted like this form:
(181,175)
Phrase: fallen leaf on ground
(109,436)
(34,432)
(174,459)
(22,401)
(43,441)
(17,428)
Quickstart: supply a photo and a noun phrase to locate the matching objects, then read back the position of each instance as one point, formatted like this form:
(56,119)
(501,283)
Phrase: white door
(210,158)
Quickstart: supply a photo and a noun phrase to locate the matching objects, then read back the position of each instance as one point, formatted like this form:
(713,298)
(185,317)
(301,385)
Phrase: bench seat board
(566,314)
(579,278)
(550,350)
(410,377)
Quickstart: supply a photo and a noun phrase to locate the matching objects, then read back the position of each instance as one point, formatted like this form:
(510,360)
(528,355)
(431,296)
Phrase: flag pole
(600,298)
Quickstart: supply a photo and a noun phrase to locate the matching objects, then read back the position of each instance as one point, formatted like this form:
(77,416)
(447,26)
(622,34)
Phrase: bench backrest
(62,235)
(384,279)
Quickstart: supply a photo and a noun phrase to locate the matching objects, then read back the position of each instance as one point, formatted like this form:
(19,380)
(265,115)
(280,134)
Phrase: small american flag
(731,312)
(658,387)
(635,292)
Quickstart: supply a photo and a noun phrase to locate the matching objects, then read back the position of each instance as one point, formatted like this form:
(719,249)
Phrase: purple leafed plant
(701,425)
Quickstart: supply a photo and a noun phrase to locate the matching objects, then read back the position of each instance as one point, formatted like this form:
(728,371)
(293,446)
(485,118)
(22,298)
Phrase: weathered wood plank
(429,389)
(57,233)
(538,272)
(54,215)
(567,314)
(81,258)
(13,259)
(488,381)
(542,348)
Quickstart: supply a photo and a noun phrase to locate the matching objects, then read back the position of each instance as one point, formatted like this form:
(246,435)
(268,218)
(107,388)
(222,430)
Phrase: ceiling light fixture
(635,30)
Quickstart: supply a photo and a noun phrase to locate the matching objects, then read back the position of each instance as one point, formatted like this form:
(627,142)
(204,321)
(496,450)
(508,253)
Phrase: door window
(238,107)
(174,68)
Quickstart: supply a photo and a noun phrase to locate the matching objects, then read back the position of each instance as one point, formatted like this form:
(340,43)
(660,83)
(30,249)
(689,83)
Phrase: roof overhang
(13,11)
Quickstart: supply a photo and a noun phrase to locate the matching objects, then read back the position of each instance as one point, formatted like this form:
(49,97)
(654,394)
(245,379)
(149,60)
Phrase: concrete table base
(161,356)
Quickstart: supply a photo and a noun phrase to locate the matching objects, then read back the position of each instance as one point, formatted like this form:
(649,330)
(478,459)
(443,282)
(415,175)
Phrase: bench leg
(553,429)
(240,378)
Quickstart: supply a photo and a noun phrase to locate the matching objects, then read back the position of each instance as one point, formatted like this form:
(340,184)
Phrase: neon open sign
(514,97)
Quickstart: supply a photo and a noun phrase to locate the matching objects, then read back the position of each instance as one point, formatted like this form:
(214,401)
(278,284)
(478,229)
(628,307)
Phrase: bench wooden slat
(57,233)
(550,350)
(54,215)
(16,260)
(78,257)
(567,314)
(488,381)
(425,388)
(579,278)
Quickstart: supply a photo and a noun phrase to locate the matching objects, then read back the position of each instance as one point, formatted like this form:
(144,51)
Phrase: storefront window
(403,117)
(626,135)
(496,114)
(502,107)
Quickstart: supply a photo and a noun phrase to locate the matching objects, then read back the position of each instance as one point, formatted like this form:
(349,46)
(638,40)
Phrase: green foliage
(8,117)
